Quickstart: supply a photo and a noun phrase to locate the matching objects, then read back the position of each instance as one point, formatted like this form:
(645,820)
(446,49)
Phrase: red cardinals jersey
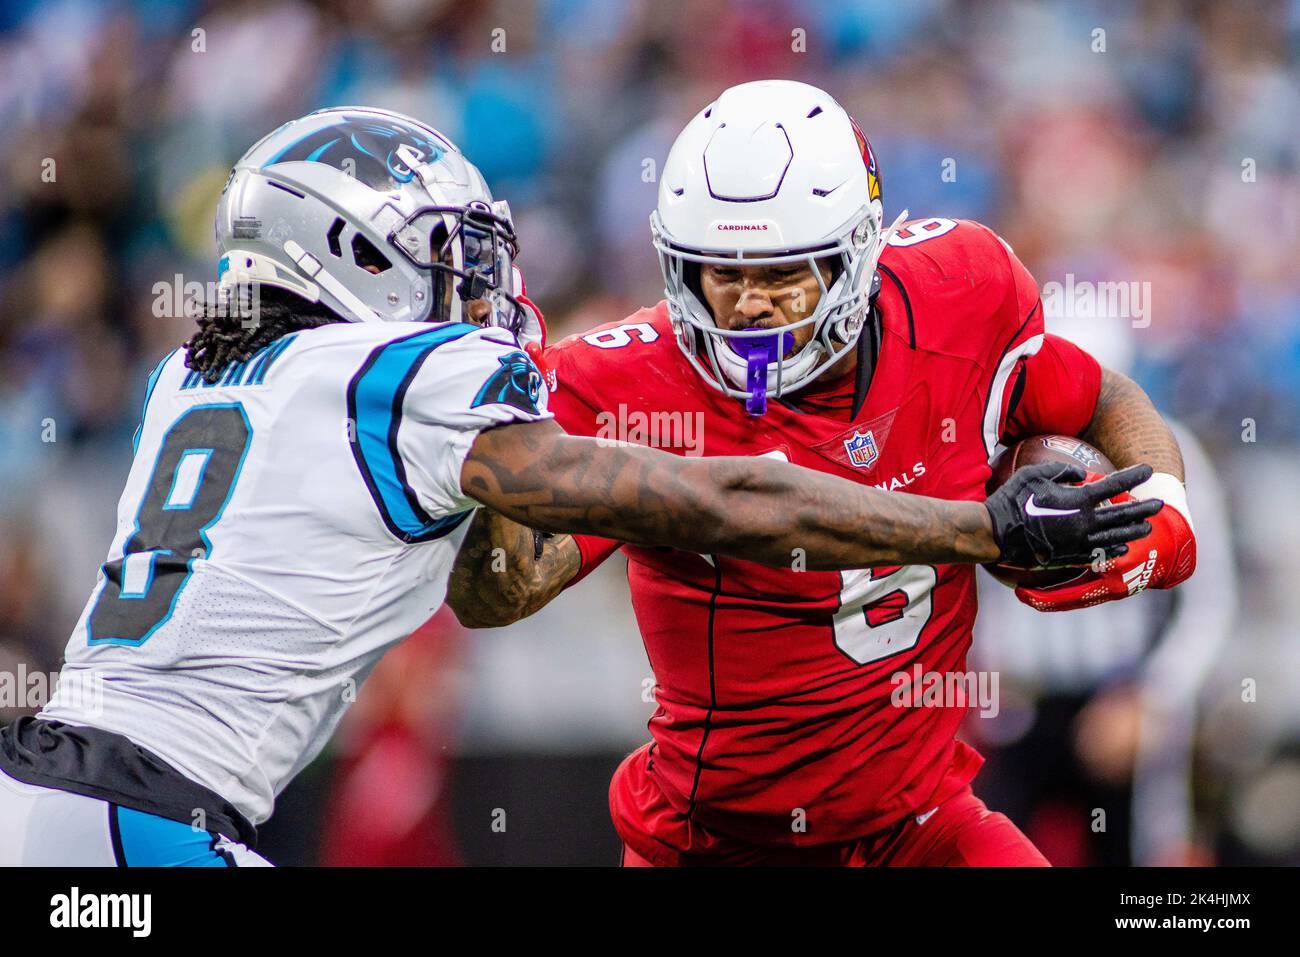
(791,705)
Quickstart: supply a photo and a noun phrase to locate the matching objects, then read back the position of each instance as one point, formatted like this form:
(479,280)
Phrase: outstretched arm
(760,510)
(772,513)
(497,578)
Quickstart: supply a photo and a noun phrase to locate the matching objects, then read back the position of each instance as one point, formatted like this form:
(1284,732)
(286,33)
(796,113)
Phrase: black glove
(1038,520)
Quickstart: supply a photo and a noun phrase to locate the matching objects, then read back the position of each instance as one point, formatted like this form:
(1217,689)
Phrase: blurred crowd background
(1151,142)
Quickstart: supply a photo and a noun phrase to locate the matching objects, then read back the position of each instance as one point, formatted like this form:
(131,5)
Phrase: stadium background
(1171,157)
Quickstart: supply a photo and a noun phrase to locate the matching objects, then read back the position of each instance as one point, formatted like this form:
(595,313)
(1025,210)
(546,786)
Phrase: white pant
(44,827)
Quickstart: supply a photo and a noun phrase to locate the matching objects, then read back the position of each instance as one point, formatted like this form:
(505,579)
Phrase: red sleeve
(1017,335)
(593,550)
(1055,393)
(576,409)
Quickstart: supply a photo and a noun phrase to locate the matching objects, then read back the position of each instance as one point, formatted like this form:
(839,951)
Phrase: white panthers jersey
(279,530)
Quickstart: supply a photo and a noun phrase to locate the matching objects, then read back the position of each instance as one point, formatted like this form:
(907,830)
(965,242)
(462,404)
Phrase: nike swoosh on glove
(1042,519)
(1162,559)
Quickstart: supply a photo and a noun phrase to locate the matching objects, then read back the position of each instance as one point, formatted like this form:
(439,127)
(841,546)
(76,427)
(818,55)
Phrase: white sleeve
(419,405)
(468,385)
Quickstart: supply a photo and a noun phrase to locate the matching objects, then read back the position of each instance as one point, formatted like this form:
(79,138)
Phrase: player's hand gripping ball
(1163,555)
(1039,450)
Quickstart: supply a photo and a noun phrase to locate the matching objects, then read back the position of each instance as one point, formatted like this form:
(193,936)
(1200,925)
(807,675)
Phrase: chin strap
(888,234)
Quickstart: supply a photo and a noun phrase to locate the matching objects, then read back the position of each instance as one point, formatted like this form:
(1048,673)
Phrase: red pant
(959,832)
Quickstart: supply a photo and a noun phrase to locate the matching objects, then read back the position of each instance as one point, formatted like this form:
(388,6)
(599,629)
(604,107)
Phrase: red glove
(1163,559)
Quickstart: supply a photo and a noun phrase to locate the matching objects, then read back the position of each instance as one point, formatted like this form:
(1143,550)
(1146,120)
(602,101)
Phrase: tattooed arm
(749,508)
(499,578)
(769,512)
(1127,427)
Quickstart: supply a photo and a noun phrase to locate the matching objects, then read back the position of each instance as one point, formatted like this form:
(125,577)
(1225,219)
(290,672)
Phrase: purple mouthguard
(760,352)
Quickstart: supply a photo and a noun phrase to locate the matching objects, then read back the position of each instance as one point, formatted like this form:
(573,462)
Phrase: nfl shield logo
(862,450)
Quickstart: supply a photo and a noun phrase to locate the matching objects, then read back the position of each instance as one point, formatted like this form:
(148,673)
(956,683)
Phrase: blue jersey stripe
(375,398)
(234,374)
(258,375)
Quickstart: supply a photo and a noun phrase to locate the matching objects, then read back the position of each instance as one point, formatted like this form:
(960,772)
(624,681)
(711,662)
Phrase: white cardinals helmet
(771,172)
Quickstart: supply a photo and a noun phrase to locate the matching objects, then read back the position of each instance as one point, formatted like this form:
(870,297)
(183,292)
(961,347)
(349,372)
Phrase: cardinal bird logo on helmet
(868,160)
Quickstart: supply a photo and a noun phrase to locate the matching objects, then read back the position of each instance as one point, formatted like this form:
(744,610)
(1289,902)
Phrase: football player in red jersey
(791,726)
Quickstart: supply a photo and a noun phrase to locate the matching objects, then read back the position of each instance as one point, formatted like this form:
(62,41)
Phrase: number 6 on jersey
(883,610)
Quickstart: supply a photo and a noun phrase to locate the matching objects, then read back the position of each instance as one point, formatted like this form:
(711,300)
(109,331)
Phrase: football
(1034,451)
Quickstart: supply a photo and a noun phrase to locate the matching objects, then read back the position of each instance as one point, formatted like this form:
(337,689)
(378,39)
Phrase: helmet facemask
(752,364)
(470,250)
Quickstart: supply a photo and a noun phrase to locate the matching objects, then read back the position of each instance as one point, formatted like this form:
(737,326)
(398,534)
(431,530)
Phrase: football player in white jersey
(303,480)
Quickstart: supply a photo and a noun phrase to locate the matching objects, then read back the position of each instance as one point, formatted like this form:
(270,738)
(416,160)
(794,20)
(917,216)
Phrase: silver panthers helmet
(374,214)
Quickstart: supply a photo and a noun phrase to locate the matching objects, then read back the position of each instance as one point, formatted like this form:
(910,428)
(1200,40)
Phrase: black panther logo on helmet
(366,148)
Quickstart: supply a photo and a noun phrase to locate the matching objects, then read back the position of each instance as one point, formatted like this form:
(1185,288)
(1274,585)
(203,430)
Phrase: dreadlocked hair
(228,334)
